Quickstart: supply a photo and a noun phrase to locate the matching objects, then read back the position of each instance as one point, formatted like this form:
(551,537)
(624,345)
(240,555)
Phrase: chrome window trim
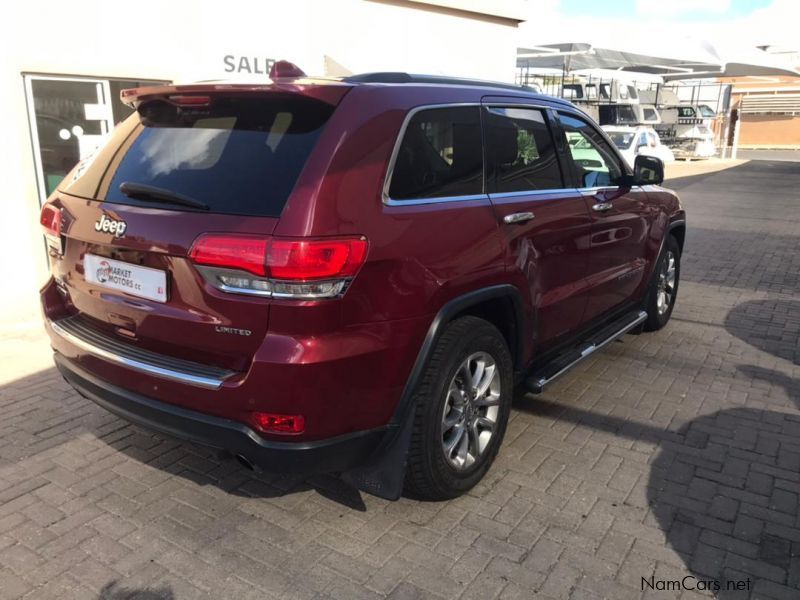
(549,192)
(207,382)
(440,200)
(389,201)
(591,191)
(387,181)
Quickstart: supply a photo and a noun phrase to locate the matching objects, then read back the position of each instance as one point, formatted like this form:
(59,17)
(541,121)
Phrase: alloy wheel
(666,283)
(469,417)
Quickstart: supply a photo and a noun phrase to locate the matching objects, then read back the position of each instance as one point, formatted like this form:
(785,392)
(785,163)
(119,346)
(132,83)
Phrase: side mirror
(648,170)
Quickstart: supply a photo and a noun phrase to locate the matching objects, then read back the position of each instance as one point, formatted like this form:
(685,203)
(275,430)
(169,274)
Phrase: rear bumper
(337,454)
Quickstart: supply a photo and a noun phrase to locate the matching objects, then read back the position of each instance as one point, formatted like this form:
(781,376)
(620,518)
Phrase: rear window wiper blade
(150,193)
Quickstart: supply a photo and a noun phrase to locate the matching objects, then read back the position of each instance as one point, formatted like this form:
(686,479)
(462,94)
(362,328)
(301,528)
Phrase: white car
(638,140)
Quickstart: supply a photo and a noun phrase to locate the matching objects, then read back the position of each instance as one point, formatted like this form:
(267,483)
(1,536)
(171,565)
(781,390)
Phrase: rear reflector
(286,268)
(272,423)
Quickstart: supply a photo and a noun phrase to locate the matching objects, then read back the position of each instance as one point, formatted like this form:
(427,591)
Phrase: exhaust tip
(245,462)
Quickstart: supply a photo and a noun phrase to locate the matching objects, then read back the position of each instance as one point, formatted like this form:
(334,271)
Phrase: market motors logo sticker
(119,276)
(103,271)
(114,226)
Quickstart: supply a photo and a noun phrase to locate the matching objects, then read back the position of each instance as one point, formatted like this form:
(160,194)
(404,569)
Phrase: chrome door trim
(443,199)
(591,191)
(551,193)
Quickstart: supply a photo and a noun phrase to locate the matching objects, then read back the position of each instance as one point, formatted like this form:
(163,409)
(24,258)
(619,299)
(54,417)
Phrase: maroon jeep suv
(350,275)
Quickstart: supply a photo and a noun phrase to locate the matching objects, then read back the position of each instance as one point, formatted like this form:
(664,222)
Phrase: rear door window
(440,155)
(237,155)
(520,151)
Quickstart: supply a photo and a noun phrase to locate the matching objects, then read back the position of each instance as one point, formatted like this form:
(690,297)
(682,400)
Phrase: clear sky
(675,10)
(737,22)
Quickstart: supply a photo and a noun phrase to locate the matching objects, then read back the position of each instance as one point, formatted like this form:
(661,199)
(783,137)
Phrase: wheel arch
(384,472)
(677,229)
(500,304)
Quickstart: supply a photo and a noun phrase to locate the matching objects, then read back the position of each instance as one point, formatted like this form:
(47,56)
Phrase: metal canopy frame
(691,59)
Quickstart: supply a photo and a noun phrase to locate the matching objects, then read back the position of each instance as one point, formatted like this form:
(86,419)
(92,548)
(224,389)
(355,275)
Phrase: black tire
(429,472)
(657,316)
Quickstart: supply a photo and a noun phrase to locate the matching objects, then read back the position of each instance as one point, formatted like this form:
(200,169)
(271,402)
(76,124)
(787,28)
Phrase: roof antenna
(284,69)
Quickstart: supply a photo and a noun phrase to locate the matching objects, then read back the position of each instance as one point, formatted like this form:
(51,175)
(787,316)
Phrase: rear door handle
(602,206)
(519,217)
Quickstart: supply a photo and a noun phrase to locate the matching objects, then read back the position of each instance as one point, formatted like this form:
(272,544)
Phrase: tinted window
(237,155)
(650,114)
(622,140)
(595,162)
(441,155)
(520,151)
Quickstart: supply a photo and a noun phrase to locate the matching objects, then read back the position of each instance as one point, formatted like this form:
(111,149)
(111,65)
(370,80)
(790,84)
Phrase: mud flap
(383,476)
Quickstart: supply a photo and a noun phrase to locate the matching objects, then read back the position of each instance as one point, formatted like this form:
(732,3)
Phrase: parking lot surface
(667,460)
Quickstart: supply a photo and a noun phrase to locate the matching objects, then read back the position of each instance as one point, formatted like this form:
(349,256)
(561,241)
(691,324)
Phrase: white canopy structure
(672,59)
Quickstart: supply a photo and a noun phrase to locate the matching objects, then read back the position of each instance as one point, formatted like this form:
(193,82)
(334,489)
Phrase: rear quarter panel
(420,256)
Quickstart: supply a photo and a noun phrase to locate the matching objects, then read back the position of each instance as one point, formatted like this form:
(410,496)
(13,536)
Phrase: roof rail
(399,77)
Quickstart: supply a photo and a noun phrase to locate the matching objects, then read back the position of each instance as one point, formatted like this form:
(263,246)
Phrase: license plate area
(142,282)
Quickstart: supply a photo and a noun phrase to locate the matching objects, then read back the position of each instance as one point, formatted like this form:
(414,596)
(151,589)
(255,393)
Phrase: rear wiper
(150,193)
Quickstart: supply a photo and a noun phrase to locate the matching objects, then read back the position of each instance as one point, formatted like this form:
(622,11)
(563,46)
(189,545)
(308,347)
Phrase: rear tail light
(281,268)
(272,423)
(50,220)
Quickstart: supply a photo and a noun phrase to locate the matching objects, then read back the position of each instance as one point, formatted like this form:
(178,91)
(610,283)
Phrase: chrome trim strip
(551,193)
(443,199)
(212,277)
(591,191)
(589,350)
(387,181)
(210,383)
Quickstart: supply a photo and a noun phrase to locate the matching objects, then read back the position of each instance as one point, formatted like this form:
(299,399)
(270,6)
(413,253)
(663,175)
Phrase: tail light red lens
(283,259)
(272,423)
(315,259)
(50,220)
(245,253)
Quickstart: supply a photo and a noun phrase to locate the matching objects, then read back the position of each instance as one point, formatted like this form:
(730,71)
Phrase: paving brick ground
(668,455)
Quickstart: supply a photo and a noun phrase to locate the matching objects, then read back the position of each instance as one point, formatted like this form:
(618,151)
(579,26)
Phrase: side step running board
(564,362)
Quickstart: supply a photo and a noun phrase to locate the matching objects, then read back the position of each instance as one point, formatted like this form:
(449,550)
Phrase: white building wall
(185,40)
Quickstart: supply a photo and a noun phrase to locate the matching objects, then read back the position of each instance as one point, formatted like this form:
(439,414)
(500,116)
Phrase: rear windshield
(237,155)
